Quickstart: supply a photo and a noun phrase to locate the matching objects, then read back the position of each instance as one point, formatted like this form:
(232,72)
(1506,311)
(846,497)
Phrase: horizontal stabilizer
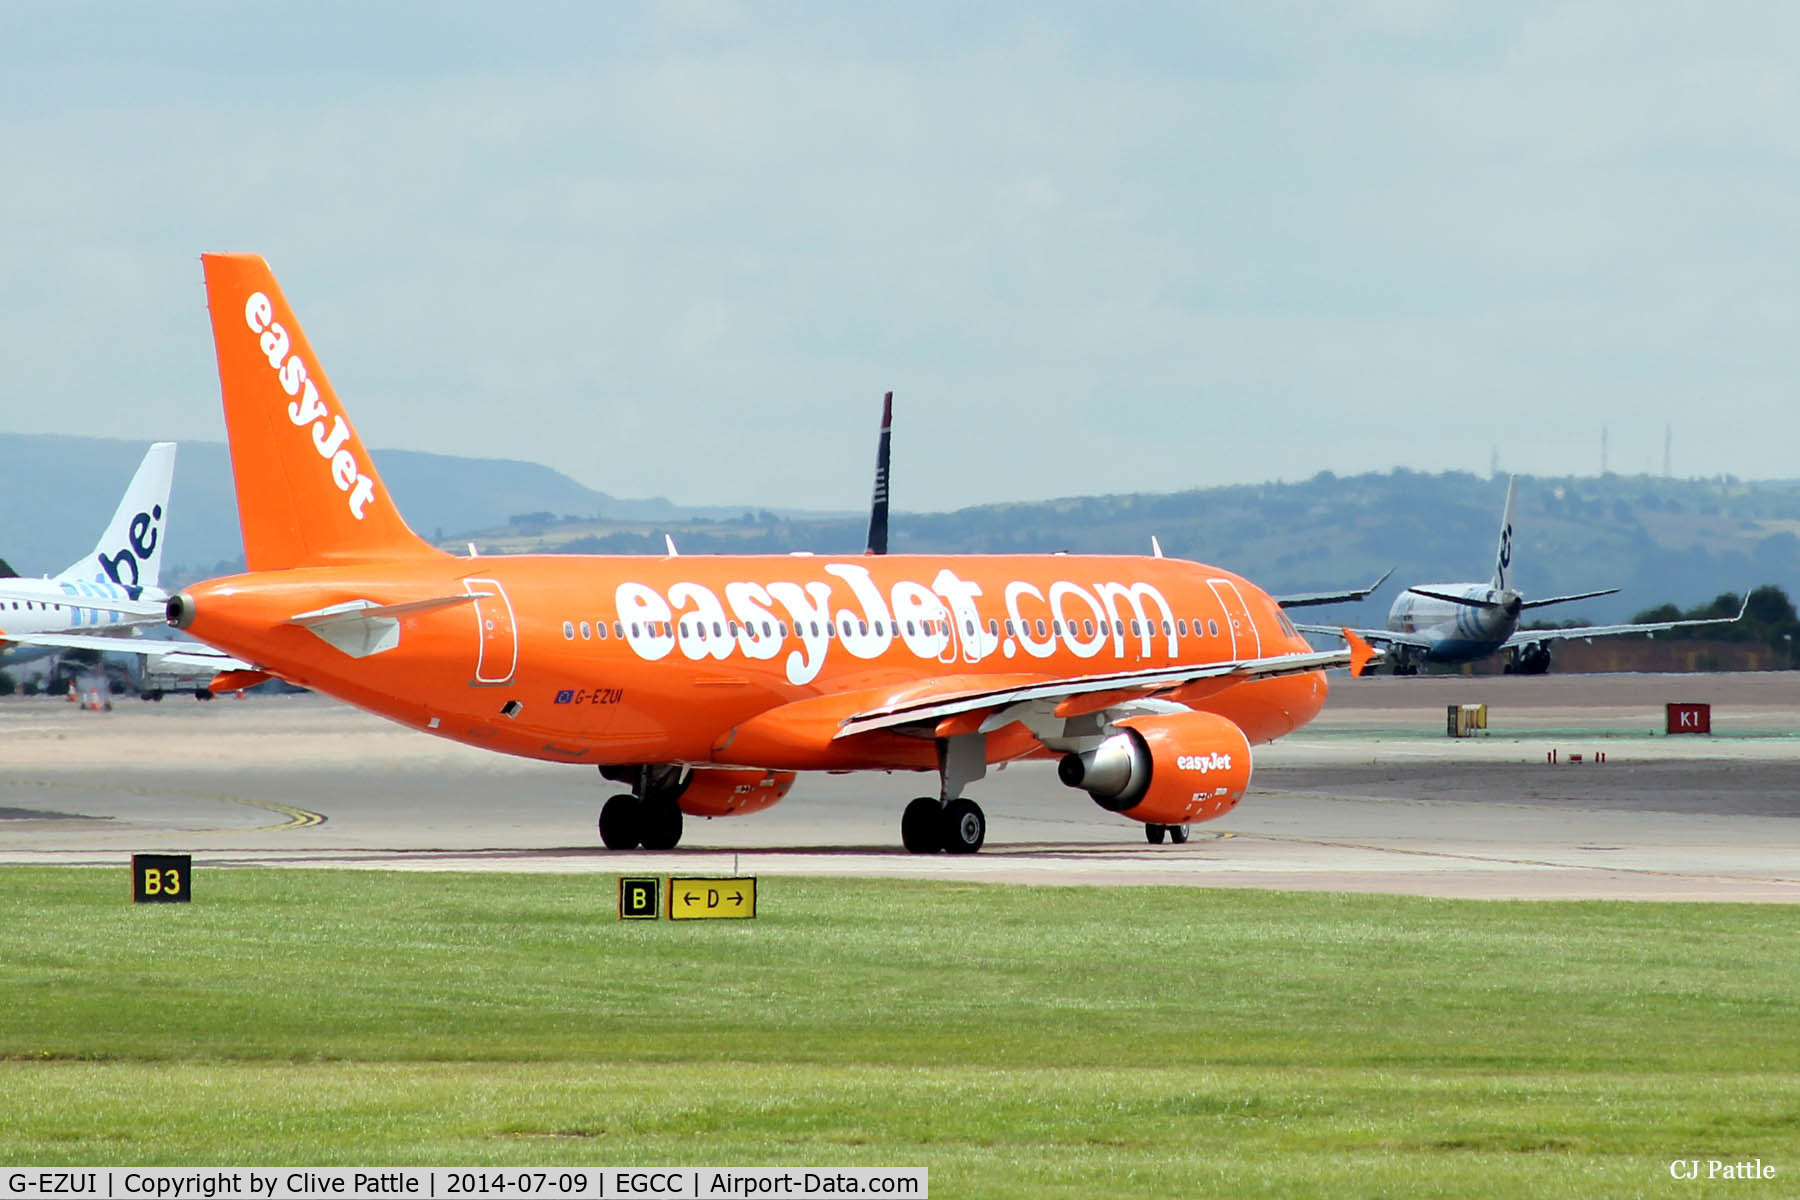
(1568,599)
(236,681)
(143,611)
(1452,598)
(360,628)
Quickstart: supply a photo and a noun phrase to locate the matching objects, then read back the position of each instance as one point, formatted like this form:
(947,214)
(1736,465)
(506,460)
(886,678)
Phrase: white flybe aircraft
(100,599)
(1462,622)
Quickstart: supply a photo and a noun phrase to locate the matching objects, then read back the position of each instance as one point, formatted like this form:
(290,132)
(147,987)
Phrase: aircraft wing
(1527,636)
(1375,637)
(1304,599)
(165,650)
(1079,693)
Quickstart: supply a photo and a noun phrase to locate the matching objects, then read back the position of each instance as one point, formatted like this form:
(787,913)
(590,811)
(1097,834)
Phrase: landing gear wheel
(1154,834)
(619,825)
(1178,834)
(919,829)
(964,827)
(659,824)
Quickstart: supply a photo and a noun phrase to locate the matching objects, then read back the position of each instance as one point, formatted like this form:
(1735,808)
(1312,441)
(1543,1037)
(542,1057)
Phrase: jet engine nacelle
(727,792)
(1165,770)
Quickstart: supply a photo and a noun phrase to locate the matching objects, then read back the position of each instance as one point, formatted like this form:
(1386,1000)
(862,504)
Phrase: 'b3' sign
(162,878)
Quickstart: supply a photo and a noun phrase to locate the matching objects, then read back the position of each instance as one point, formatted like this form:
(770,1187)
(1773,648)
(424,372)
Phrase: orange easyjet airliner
(701,683)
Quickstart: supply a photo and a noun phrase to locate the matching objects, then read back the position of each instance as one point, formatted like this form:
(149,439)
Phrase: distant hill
(1659,540)
(56,494)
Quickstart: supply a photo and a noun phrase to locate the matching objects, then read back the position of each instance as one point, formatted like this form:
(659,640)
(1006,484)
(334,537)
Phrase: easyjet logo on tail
(329,430)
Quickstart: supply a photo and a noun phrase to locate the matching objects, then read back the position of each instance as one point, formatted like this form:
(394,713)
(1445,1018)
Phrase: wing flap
(166,651)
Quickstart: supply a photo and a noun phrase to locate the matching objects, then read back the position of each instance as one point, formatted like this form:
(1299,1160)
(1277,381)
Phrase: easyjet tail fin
(130,551)
(307,490)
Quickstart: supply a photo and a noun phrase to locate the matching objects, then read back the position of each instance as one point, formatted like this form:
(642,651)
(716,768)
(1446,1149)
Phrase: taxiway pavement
(1371,797)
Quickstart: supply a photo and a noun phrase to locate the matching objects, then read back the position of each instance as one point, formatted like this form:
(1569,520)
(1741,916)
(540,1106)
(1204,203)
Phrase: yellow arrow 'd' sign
(703,899)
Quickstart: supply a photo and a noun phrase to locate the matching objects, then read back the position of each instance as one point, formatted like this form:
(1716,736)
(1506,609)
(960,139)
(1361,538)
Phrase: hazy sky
(681,249)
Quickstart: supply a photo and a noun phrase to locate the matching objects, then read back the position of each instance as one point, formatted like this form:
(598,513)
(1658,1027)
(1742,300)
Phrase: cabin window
(1040,627)
(1212,627)
(634,629)
(734,628)
(1166,630)
(909,629)
(587,631)
(569,630)
(600,630)
(1181,626)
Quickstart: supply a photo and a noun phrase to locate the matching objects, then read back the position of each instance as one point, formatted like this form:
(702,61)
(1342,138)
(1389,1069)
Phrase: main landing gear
(1530,659)
(949,821)
(648,815)
(1177,834)
(930,825)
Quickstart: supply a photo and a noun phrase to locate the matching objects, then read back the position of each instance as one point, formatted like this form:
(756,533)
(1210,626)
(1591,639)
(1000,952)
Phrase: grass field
(1014,1040)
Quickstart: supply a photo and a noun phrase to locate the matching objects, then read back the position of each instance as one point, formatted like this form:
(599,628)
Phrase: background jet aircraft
(1463,622)
(102,599)
(124,565)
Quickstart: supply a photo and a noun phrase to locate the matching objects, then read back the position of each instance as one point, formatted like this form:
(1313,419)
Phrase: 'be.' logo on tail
(140,548)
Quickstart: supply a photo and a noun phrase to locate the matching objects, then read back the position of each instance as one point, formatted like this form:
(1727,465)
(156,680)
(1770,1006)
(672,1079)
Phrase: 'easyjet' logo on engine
(1204,762)
(309,407)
